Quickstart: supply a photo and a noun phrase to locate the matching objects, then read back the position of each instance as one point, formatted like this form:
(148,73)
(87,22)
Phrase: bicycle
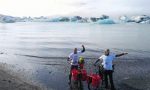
(78,75)
(94,79)
(100,72)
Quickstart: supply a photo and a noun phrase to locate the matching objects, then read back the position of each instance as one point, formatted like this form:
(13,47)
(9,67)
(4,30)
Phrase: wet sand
(132,75)
(10,82)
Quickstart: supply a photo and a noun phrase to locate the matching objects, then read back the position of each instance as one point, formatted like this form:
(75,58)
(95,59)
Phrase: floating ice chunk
(124,18)
(75,18)
(139,19)
(105,21)
(60,19)
(146,22)
(8,19)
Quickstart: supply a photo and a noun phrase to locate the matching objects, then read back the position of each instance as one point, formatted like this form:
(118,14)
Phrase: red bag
(84,74)
(74,73)
(96,80)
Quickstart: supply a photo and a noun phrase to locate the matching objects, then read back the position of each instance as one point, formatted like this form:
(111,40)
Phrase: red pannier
(96,80)
(84,74)
(75,73)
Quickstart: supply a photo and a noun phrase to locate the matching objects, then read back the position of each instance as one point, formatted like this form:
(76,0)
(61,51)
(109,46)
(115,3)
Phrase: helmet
(81,60)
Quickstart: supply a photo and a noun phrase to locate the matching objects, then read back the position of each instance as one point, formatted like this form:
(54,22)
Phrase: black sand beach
(132,75)
(129,75)
(10,82)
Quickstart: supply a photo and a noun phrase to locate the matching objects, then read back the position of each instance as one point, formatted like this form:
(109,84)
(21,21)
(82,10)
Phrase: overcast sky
(74,7)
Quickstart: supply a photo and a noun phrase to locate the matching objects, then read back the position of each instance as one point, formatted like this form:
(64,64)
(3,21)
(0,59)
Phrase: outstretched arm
(118,55)
(83,50)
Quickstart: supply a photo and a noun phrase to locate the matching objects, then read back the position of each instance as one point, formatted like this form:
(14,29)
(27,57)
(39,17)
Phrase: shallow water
(39,50)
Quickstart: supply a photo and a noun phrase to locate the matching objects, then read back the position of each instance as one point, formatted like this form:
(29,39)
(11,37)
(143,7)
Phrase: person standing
(74,57)
(107,62)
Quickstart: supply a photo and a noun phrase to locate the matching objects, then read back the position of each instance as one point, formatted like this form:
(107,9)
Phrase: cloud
(79,4)
(70,7)
(115,7)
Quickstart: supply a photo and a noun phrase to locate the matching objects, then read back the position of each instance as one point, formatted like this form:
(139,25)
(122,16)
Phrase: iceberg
(79,19)
(83,20)
(40,19)
(146,22)
(75,18)
(104,17)
(94,19)
(60,19)
(105,21)
(139,19)
(7,19)
(136,19)
(125,19)
(64,19)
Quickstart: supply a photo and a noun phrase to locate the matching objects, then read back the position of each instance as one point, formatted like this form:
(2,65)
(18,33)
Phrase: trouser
(101,73)
(110,74)
(72,67)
